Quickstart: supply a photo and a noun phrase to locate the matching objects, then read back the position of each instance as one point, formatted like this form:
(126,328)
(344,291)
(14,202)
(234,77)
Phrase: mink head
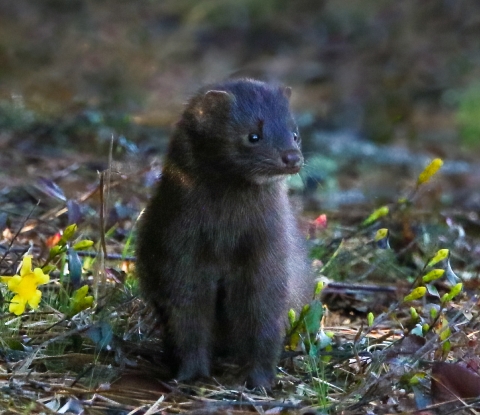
(243,128)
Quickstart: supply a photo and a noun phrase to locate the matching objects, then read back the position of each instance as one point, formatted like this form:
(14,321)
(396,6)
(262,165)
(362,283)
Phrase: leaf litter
(374,349)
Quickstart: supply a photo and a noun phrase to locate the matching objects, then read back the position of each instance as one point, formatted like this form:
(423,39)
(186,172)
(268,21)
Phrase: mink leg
(256,311)
(189,331)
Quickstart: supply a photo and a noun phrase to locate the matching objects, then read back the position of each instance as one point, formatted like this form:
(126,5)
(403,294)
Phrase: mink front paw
(260,378)
(193,368)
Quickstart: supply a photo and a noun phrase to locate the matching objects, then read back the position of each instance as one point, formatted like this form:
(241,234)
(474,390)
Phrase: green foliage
(424,311)
(376,215)
(305,333)
(318,168)
(101,334)
(65,252)
(304,328)
(80,300)
(14,116)
(61,258)
(313,316)
(468,115)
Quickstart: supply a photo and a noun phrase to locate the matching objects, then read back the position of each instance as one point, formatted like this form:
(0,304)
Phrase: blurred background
(380,86)
(90,91)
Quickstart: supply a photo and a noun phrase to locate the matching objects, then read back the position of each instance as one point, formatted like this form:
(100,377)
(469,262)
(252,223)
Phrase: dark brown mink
(219,253)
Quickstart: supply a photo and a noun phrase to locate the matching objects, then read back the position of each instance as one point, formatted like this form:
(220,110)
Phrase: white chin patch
(268,179)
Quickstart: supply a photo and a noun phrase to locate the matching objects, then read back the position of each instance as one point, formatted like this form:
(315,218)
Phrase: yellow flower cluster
(24,286)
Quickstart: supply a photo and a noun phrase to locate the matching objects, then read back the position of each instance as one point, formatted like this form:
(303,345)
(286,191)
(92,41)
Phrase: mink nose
(292,159)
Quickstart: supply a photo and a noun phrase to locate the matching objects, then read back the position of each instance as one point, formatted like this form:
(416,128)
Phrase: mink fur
(219,253)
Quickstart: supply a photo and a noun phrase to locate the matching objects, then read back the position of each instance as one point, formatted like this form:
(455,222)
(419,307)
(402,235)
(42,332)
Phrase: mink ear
(214,94)
(211,105)
(214,100)
(287,92)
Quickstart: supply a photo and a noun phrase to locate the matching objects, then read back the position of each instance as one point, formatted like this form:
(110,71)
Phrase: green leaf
(324,340)
(413,314)
(376,214)
(67,234)
(74,267)
(429,171)
(445,334)
(432,290)
(433,275)
(294,340)
(417,330)
(441,255)
(417,293)
(47,269)
(82,245)
(455,290)
(313,317)
(80,300)
(101,334)
(313,351)
(56,250)
(292,316)
(451,276)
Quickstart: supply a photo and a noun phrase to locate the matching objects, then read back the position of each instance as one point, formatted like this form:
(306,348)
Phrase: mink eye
(253,138)
(295,137)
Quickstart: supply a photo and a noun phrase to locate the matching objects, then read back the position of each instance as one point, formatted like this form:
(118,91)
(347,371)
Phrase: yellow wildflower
(24,286)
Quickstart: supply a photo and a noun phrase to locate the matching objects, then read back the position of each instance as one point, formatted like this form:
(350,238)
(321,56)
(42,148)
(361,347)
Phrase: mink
(219,253)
